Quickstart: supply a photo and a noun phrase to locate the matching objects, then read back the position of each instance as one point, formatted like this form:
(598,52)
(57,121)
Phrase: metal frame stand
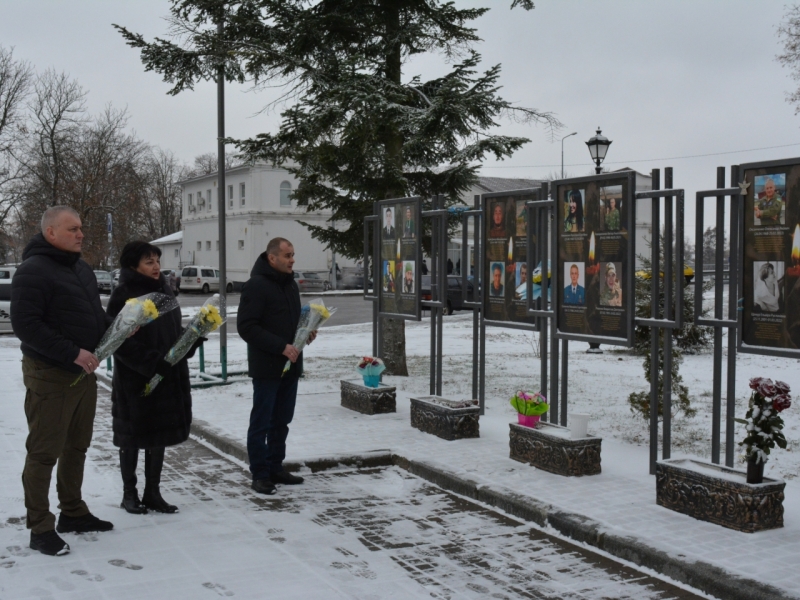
(719,322)
(478,334)
(438,301)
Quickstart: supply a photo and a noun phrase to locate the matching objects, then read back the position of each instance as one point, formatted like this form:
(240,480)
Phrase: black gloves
(195,346)
(163,368)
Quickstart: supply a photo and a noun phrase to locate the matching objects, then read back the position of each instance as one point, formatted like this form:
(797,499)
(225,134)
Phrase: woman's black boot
(153,463)
(128,457)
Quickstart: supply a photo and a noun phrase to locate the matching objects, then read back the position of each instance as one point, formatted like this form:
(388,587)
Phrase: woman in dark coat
(163,418)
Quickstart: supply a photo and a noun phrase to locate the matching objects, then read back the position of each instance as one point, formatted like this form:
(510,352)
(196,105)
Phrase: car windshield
(102,275)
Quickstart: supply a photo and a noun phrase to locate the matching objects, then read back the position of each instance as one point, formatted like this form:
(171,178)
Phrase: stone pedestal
(447,419)
(550,448)
(370,401)
(719,495)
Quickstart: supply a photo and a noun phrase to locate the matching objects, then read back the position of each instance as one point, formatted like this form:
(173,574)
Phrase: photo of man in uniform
(611,294)
(497,221)
(574,293)
(521,291)
(496,285)
(388,223)
(768,204)
(408,277)
(408,225)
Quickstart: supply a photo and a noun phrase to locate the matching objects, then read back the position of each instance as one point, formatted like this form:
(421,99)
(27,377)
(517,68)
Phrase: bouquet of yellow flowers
(204,322)
(137,312)
(312,315)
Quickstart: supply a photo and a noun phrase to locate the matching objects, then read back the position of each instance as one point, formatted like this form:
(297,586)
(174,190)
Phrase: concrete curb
(700,575)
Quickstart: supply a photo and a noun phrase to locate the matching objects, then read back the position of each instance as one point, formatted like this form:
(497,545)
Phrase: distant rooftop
(172,237)
(505,184)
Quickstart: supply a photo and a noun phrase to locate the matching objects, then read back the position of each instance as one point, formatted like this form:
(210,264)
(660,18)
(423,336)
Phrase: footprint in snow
(64,586)
(18,551)
(118,562)
(88,576)
(220,589)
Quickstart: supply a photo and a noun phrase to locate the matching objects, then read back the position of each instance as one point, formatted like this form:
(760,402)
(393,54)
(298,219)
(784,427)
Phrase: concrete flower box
(448,419)
(719,495)
(367,400)
(550,447)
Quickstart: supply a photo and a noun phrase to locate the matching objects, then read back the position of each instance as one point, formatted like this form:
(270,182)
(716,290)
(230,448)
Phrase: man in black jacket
(57,315)
(269,311)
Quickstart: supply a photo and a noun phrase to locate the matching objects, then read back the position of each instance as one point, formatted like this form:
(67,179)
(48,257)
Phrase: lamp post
(562,151)
(598,146)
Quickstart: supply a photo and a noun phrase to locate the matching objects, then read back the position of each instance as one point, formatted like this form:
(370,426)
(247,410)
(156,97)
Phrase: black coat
(269,311)
(163,418)
(55,305)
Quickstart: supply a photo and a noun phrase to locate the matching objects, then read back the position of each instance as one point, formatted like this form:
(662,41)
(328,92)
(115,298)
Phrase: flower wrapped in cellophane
(137,312)
(207,319)
(312,316)
(370,368)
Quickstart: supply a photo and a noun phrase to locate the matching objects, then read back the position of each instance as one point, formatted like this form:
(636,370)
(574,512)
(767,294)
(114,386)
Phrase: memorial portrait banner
(770,265)
(505,267)
(594,267)
(398,287)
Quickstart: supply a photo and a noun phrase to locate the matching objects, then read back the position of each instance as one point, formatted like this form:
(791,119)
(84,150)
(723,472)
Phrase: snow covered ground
(187,554)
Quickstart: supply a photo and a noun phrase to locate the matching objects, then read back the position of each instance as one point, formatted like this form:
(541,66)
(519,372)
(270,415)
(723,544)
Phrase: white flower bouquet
(312,316)
(137,312)
(204,322)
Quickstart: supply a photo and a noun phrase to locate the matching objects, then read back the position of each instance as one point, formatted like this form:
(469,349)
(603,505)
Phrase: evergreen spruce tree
(356,128)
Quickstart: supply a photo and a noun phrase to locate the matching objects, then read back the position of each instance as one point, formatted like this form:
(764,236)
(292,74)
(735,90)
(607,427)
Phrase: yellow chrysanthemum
(320,308)
(210,315)
(149,309)
(132,301)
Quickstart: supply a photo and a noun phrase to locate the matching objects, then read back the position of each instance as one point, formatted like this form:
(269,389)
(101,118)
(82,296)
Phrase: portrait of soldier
(612,294)
(769,207)
(496,285)
(574,293)
(498,221)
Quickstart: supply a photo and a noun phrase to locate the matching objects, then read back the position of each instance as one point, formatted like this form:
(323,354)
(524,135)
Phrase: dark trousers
(60,422)
(273,409)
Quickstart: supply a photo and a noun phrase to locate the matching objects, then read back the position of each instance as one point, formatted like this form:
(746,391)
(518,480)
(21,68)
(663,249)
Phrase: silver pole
(223,279)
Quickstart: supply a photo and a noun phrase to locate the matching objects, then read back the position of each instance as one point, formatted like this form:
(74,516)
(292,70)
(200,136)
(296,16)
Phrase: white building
(257,208)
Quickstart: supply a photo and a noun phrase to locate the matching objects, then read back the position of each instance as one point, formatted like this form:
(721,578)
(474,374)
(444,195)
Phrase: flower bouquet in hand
(137,312)
(530,406)
(370,369)
(312,316)
(763,423)
(204,322)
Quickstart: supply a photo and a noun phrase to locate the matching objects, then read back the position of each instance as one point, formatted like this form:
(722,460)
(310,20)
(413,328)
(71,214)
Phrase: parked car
(353,281)
(6,273)
(455,297)
(201,278)
(105,281)
(174,278)
(311,282)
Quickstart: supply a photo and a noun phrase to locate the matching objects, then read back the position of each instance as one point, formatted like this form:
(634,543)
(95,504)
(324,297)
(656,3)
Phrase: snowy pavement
(371,534)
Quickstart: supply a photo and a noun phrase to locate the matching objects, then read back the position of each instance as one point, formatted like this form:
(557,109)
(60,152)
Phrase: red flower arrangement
(764,425)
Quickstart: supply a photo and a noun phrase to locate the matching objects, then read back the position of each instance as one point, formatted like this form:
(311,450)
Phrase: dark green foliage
(688,339)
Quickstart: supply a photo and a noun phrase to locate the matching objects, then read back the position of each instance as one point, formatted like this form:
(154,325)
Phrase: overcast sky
(663,78)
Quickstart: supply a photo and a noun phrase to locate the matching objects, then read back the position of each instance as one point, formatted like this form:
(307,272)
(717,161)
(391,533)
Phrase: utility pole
(223,279)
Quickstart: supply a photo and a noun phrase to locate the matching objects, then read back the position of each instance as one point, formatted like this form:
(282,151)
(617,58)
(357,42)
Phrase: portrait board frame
(511,313)
(398,248)
(764,329)
(588,241)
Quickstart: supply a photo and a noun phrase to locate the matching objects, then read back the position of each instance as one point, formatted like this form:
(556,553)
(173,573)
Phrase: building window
(208,195)
(241,193)
(286,190)
(217,245)
(177,253)
(199,245)
(230,196)
(208,245)
(241,244)
(190,200)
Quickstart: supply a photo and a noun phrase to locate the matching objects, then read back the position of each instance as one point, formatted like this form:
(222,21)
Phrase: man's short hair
(575,267)
(51,215)
(274,245)
(497,267)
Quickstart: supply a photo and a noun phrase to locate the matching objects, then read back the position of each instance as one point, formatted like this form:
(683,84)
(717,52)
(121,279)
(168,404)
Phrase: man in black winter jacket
(269,311)
(57,315)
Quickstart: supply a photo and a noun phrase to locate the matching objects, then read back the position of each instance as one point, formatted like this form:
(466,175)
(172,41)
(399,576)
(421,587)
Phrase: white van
(200,278)
(6,273)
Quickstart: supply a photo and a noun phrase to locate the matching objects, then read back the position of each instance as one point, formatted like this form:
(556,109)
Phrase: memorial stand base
(368,400)
(447,419)
(719,495)
(551,448)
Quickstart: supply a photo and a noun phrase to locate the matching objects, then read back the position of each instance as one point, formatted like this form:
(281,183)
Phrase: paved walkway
(616,509)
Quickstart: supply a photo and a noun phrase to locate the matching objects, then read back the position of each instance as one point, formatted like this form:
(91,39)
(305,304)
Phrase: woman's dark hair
(766,268)
(575,196)
(135,251)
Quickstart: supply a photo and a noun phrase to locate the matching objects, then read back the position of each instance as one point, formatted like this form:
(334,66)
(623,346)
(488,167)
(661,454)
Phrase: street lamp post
(562,151)
(598,147)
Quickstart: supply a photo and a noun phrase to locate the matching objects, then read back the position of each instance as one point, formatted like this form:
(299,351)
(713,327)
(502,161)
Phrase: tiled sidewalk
(621,500)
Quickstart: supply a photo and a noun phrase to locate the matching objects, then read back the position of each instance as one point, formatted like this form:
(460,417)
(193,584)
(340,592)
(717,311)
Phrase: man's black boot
(286,478)
(264,486)
(49,543)
(83,524)
(151,498)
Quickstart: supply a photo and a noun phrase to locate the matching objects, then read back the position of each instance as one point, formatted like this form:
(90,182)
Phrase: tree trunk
(394,330)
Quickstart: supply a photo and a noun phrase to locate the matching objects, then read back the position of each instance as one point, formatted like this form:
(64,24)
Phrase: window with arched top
(286,190)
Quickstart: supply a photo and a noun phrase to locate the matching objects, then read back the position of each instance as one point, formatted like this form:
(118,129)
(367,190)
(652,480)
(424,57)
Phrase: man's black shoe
(49,543)
(264,486)
(286,478)
(82,524)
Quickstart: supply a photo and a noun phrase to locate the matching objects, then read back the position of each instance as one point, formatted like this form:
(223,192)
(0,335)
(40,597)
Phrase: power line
(625,162)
